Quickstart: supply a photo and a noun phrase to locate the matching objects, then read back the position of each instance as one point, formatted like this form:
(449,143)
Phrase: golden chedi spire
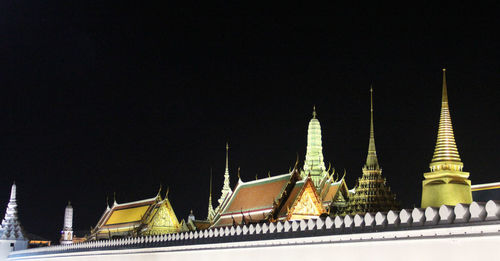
(446,154)
(371,158)
(446,183)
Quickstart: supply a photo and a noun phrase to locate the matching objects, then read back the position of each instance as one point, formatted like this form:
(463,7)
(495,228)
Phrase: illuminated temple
(152,216)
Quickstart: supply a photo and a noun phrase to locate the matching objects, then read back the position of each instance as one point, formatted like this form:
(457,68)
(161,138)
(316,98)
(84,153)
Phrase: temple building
(282,197)
(12,235)
(446,183)
(152,216)
(314,165)
(372,193)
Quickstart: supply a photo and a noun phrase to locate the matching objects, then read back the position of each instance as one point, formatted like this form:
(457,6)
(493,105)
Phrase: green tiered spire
(372,193)
(314,164)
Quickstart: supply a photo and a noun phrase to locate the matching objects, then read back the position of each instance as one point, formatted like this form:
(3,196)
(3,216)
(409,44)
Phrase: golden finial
(314,111)
(269,174)
(256,177)
(446,153)
(166,192)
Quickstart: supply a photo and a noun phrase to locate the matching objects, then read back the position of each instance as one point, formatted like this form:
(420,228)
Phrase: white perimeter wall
(456,243)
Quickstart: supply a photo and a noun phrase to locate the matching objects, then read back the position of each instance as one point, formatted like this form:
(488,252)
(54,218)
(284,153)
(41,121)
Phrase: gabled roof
(252,201)
(128,214)
(330,190)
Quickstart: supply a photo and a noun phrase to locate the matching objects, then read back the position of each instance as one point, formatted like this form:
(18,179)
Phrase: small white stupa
(67,232)
(12,236)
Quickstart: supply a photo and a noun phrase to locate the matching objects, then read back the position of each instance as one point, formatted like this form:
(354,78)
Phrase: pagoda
(446,183)
(11,227)
(372,193)
(314,165)
(12,236)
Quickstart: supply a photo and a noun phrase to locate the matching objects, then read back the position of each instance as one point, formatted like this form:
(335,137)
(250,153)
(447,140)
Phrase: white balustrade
(477,211)
(381,219)
(359,221)
(418,216)
(446,214)
(492,210)
(348,221)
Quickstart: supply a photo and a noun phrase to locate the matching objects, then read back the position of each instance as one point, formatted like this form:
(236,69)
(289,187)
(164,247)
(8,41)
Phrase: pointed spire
(226,188)
(11,227)
(314,163)
(446,155)
(211,212)
(371,158)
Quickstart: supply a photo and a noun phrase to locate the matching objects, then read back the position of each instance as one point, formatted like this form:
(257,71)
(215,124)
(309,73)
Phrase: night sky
(100,97)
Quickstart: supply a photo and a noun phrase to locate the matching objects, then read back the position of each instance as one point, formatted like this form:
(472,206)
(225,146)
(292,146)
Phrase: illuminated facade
(372,193)
(446,183)
(153,216)
(314,165)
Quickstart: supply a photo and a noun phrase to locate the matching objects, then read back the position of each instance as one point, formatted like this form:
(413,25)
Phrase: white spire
(11,227)
(67,232)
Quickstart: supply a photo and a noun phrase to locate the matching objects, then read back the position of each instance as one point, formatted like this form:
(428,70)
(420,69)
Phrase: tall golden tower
(446,183)
(372,193)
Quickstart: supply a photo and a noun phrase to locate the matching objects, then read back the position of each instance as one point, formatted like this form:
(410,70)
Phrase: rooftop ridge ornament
(314,112)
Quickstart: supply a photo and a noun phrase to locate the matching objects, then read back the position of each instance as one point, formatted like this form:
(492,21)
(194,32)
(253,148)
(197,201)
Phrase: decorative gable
(307,204)
(162,221)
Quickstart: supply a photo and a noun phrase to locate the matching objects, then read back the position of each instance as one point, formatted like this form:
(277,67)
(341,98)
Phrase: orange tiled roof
(256,195)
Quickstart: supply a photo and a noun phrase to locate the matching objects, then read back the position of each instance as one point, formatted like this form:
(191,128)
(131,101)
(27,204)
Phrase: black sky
(102,97)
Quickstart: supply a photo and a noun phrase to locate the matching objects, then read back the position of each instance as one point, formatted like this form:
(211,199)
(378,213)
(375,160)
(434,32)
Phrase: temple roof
(253,199)
(127,214)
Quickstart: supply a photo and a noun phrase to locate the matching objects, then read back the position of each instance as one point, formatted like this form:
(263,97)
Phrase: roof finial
(445,91)
(314,111)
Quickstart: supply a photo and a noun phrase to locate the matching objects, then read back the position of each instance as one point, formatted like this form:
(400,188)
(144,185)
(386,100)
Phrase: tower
(372,194)
(12,236)
(226,189)
(11,227)
(67,232)
(446,183)
(314,164)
